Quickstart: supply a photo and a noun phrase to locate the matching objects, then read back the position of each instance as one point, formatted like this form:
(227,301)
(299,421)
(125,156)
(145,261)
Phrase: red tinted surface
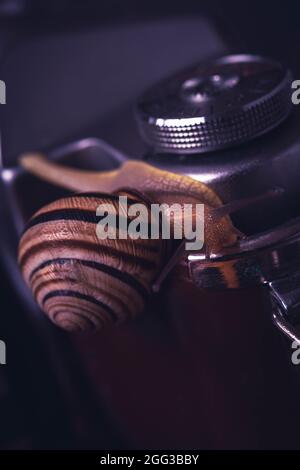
(209,371)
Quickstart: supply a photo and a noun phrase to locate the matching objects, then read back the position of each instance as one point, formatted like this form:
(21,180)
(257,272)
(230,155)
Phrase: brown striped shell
(82,282)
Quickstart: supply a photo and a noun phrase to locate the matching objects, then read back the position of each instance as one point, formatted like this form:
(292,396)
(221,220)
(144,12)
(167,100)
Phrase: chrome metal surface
(285,327)
(285,294)
(258,259)
(215,105)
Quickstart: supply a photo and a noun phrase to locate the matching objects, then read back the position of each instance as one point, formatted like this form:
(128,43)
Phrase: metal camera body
(229,124)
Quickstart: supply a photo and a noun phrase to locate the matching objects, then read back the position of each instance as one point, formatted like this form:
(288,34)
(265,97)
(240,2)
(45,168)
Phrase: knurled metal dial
(215,105)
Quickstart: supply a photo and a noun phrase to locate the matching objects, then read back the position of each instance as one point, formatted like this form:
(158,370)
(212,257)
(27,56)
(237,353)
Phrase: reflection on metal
(2,352)
(284,326)
(2,92)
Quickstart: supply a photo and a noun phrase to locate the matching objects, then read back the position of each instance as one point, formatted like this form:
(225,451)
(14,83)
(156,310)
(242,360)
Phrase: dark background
(48,48)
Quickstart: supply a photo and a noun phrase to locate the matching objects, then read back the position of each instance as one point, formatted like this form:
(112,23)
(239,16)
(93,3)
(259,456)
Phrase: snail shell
(79,281)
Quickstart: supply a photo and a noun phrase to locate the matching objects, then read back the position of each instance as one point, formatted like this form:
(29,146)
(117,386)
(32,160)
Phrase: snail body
(158,186)
(82,282)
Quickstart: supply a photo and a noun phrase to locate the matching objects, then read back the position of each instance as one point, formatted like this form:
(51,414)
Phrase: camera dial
(222,103)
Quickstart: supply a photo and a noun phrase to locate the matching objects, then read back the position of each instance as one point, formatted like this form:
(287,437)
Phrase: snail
(82,282)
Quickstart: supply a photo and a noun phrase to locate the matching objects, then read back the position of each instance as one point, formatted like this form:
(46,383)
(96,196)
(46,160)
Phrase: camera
(205,366)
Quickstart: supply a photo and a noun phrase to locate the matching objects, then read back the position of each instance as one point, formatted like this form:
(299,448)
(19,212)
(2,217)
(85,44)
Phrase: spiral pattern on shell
(78,280)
